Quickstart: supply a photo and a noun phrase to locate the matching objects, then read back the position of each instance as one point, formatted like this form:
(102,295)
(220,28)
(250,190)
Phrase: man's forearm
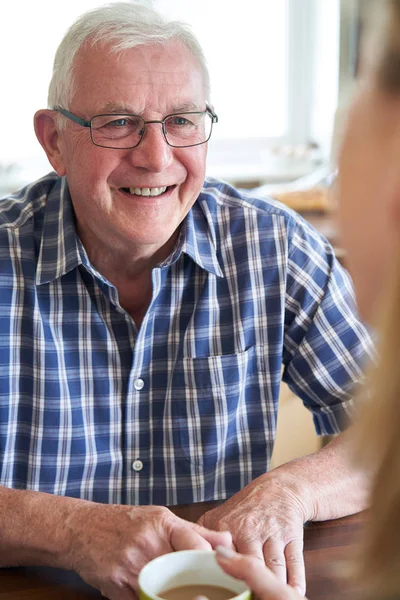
(34,528)
(327,482)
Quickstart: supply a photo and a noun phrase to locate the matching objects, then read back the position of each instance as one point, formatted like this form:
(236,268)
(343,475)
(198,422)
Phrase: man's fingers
(274,558)
(184,537)
(296,572)
(201,521)
(250,549)
(215,538)
(187,535)
(120,593)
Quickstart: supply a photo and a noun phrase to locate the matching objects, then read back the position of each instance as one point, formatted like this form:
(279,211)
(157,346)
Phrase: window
(246,51)
(30,35)
(263,57)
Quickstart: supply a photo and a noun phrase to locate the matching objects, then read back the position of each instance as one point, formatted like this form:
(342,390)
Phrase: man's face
(152,82)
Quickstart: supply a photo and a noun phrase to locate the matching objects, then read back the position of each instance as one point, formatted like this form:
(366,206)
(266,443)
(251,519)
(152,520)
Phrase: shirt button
(137,465)
(138,384)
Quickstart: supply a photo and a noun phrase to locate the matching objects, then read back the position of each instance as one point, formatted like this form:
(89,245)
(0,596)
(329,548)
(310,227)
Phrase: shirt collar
(197,240)
(59,250)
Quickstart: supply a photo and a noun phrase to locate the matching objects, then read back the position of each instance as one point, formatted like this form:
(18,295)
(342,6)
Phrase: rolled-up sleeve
(326,346)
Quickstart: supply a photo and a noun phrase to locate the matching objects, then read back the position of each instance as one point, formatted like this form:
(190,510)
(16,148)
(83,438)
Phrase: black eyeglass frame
(86,123)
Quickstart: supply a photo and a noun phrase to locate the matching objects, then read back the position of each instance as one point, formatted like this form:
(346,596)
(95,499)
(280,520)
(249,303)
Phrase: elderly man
(145,315)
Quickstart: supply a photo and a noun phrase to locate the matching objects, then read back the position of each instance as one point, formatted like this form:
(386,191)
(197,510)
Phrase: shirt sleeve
(325,344)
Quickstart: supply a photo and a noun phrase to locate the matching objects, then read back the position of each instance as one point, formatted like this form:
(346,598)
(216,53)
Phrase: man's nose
(153,153)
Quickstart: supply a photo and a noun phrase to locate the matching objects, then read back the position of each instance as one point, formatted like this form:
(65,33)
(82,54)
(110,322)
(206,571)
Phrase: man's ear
(47,133)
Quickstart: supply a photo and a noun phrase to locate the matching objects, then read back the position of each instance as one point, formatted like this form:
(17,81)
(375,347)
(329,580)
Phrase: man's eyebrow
(116,108)
(120,109)
(186,106)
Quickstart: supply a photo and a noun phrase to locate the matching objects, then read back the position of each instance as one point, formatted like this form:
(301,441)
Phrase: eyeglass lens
(126,131)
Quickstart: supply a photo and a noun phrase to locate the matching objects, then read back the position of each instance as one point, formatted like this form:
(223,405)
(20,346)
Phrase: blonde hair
(378,448)
(388,67)
(378,443)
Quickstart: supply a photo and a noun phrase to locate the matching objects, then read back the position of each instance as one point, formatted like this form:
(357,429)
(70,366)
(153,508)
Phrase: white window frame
(301,36)
(253,159)
(256,159)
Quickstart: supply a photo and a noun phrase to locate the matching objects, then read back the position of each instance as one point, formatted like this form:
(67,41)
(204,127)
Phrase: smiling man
(145,316)
(134,179)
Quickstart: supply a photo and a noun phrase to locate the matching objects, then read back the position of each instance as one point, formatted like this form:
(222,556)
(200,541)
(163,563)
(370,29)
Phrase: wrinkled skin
(115,542)
(266,521)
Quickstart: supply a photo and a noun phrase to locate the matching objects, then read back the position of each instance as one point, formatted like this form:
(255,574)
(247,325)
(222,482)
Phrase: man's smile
(146,191)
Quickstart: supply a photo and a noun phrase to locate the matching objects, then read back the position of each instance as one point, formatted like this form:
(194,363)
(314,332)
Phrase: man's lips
(148,191)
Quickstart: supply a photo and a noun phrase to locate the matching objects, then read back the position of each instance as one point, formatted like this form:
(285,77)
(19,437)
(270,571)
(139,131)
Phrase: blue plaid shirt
(183,409)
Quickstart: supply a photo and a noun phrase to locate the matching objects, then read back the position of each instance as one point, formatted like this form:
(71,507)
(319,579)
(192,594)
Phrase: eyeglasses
(124,131)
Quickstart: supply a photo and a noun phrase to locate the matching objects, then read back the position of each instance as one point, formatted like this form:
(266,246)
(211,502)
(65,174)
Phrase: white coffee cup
(187,567)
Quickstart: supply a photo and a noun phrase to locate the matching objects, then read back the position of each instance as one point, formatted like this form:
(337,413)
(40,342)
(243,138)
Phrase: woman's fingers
(256,575)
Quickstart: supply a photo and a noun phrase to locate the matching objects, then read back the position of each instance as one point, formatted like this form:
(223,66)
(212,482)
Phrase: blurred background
(282,74)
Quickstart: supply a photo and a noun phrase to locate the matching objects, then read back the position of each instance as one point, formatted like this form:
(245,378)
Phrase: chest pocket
(221,395)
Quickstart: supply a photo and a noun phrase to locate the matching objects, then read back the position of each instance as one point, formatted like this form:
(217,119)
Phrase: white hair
(123,25)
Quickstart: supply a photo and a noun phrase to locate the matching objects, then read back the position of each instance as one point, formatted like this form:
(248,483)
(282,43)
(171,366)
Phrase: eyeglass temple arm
(71,116)
(212,113)
(85,123)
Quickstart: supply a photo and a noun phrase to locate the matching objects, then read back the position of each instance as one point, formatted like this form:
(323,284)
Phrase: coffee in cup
(187,574)
(190,592)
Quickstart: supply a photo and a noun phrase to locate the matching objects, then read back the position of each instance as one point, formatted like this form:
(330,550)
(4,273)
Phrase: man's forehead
(172,57)
(159,69)
(174,105)
(131,82)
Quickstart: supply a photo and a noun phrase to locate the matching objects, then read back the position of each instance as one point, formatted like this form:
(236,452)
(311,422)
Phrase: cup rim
(164,557)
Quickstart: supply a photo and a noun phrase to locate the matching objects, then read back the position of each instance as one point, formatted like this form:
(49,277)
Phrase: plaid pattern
(193,394)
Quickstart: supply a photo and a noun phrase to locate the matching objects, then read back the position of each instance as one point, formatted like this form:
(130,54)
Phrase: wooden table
(326,545)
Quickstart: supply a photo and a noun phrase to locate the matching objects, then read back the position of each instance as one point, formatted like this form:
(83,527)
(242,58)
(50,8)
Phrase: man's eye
(180,121)
(117,123)
(122,124)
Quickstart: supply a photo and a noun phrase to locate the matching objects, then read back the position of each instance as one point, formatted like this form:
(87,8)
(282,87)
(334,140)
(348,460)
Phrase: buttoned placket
(138,394)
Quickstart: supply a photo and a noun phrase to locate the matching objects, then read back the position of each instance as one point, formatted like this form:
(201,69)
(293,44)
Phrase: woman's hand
(261,580)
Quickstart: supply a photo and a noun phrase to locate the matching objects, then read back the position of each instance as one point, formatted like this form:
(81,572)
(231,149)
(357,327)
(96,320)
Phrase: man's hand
(109,544)
(266,520)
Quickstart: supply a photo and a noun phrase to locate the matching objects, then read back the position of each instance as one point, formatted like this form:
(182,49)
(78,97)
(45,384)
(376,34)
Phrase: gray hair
(124,25)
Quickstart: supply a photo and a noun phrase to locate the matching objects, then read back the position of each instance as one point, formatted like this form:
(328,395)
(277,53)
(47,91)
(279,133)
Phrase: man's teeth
(148,191)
